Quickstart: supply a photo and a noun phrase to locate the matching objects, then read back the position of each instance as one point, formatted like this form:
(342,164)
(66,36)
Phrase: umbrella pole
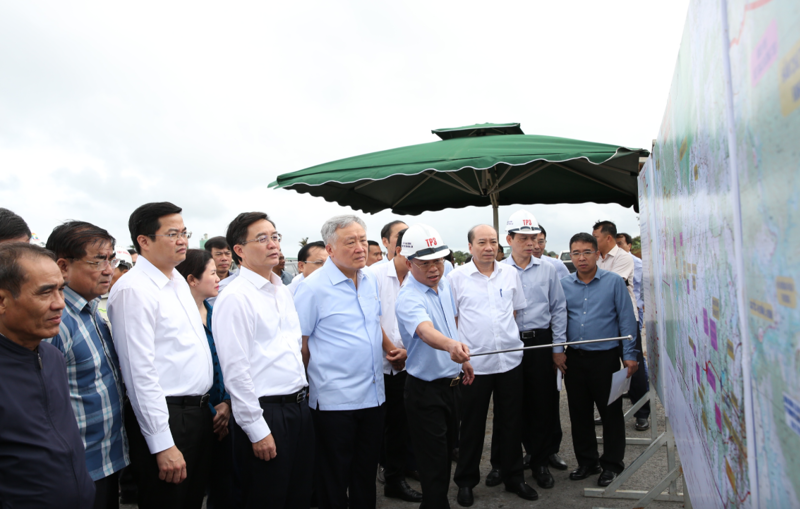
(495,206)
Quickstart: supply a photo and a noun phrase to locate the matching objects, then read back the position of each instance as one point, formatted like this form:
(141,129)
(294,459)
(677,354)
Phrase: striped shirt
(95,384)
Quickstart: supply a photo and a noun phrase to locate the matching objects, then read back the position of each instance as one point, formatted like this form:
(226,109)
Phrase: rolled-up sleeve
(234,332)
(133,318)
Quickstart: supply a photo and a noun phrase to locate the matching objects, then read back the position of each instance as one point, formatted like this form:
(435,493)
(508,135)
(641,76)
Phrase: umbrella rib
(429,175)
(477,179)
(497,184)
(443,181)
(365,184)
(523,176)
(461,181)
(624,172)
(592,179)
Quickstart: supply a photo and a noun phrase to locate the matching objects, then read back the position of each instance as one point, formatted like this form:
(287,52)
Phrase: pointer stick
(628,338)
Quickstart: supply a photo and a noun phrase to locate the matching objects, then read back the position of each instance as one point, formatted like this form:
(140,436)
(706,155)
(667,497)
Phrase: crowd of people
(171,374)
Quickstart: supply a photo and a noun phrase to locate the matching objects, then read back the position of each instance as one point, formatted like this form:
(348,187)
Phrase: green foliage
(303,241)
(460,257)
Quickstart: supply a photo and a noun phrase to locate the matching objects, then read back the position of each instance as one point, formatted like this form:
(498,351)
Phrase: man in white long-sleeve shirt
(166,364)
(257,333)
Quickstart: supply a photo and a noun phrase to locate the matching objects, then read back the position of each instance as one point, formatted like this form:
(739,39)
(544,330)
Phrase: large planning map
(720,223)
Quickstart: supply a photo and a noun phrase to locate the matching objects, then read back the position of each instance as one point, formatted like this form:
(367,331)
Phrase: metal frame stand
(629,414)
(668,483)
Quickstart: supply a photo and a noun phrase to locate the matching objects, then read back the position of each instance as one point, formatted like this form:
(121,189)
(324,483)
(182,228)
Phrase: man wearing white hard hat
(544,318)
(426,317)
(487,295)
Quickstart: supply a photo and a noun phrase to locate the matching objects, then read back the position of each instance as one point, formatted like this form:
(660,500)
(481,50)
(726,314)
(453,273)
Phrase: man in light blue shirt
(538,250)
(339,311)
(426,317)
(598,306)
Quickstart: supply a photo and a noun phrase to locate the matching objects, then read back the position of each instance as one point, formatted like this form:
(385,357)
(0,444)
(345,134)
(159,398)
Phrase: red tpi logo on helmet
(430,242)
(526,222)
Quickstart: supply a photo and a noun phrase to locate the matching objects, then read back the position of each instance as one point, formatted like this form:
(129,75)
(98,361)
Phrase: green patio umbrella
(471,167)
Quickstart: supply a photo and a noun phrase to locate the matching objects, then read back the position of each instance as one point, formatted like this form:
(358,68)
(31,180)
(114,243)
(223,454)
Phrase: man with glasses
(539,247)
(166,364)
(86,256)
(598,306)
(310,258)
(488,294)
(339,308)
(426,317)
(259,346)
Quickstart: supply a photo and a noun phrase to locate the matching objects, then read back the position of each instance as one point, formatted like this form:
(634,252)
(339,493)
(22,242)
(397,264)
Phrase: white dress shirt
(222,284)
(161,345)
(295,282)
(388,289)
(257,334)
(485,308)
(619,262)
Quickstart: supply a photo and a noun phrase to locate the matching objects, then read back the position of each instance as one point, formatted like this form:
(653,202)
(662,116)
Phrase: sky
(105,106)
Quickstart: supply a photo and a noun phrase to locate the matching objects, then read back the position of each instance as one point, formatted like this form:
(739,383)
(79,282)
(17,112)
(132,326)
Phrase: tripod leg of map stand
(628,415)
(668,482)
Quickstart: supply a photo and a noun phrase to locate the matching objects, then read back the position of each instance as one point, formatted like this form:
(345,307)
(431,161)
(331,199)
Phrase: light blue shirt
(637,284)
(344,338)
(419,303)
(600,309)
(561,269)
(547,306)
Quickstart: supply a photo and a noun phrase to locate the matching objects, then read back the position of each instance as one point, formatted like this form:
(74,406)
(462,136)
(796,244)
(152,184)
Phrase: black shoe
(556,462)
(606,478)
(402,491)
(642,424)
(128,498)
(381,475)
(523,491)
(494,478)
(598,422)
(627,395)
(454,455)
(543,477)
(412,474)
(585,471)
(465,498)
(526,461)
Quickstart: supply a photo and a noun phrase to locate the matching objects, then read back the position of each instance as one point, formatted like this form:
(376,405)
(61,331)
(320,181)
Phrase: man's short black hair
(12,276)
(69,240)
(237,230)
(399,238)
(386,231)
(302,255)
(216,243)
(146,220)
(373,243)
(583,237)
(131,251)
(12,226)
(606,227)
(628,239)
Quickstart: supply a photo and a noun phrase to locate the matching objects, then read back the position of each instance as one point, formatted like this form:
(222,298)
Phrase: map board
(720,222)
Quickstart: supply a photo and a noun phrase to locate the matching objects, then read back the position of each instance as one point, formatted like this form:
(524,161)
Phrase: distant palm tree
(303,241)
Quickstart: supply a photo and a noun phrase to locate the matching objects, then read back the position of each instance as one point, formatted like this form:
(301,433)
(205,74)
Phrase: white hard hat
(522,222)
(422,242)
(124,256)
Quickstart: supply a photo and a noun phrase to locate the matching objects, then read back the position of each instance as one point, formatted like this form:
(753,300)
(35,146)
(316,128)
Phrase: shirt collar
(614,251)
(472,269)
(336,275)
(152,271)
(597,275)
(424,288)
(78,303)
(392,270)
(258,280)
(534,261)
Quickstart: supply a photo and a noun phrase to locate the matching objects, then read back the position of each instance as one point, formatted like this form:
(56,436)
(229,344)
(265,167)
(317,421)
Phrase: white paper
(559,379)
(620,383)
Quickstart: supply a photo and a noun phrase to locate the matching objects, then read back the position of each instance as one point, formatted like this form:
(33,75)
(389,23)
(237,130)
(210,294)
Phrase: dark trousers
(193,434)
(287,479)
(432,420)
(127,484)
(541,414)
(505,389)
(107,492)
(639,382)
(348,443)
(220,482)
(395,440)
(588,381)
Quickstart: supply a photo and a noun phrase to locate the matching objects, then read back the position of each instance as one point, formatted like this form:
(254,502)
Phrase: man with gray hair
(339,310)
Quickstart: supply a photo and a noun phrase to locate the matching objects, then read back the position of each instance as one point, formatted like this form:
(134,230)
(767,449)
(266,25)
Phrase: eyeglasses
(582,254)
(100,265)
(540,242)
(427,265)
(263,239)
(174,235)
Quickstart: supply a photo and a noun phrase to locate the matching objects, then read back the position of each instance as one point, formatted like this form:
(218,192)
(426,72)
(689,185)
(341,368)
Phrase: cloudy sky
(108,105)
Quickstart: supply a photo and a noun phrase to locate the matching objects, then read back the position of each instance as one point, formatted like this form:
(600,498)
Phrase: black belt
(530,334)
(297,397)
(590,353)
(450,382)
(188,400)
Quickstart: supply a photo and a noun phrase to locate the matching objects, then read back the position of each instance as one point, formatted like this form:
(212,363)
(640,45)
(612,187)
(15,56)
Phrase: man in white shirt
(257,333)
(389,238)
(390,277)
(166,364)
(487,294)
(310,258)
(612,258)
